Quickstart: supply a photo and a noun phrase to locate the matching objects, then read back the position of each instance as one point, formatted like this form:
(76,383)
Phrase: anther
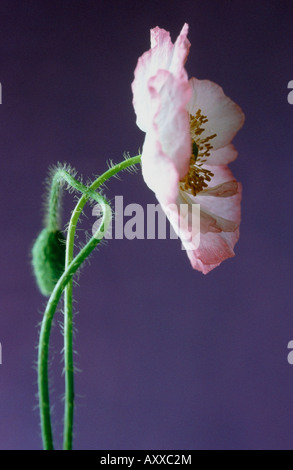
(198,177)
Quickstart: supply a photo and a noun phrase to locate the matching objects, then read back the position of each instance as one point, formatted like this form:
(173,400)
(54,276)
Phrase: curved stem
(68,311)
(45,335)
(70,270)
(68,368)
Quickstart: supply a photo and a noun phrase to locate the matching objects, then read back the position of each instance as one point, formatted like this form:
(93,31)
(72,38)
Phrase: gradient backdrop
(170,359)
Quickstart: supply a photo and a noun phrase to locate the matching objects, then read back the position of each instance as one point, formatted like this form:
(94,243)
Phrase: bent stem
(72,265)
(68,311)
(43,382)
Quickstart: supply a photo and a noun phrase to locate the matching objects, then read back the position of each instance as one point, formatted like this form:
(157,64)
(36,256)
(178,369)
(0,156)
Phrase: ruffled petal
(210,219)
(225,117)
(163,55)
(214,223)
(212,241)
(226,207)
(158,170)
(204,250)
(213,250)
(180,54)
(167,147)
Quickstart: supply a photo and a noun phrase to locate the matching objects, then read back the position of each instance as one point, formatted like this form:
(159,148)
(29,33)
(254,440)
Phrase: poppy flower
(189,126)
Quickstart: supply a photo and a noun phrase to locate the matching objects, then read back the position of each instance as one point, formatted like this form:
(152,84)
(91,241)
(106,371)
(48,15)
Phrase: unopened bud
(48,259)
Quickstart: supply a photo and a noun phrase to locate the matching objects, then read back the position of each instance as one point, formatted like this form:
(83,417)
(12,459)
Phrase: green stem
(43,382)
(68,314)
(72,265)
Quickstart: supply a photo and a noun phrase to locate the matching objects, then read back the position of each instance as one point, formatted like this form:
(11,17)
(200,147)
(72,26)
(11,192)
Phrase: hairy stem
(43,381)
(72,265)
(68,315)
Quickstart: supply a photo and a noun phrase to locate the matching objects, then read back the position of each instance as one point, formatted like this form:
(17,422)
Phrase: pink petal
(163,55)
(180,54)
(226,219)
(225,117)
(208,251)
(167,147)
(210,222)
(158,170)
(228,208)
(219,232)
(213,250)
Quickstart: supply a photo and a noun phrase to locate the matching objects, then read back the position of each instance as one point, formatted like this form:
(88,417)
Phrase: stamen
(198,177)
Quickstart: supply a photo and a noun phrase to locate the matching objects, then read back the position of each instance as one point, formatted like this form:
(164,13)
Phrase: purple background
(170,359)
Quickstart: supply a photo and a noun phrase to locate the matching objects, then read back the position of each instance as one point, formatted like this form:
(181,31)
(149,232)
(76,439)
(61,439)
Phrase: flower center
(198,177)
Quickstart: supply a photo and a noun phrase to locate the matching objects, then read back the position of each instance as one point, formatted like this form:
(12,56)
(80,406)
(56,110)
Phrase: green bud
(48,259)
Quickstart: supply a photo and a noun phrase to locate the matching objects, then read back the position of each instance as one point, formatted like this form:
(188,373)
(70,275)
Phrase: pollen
(198,177)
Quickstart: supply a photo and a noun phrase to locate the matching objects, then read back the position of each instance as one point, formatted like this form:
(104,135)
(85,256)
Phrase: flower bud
(48,259)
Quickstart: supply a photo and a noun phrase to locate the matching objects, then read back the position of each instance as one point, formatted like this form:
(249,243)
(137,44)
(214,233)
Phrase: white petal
(163,55)
(223,156)
(225,117)
(228,189)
